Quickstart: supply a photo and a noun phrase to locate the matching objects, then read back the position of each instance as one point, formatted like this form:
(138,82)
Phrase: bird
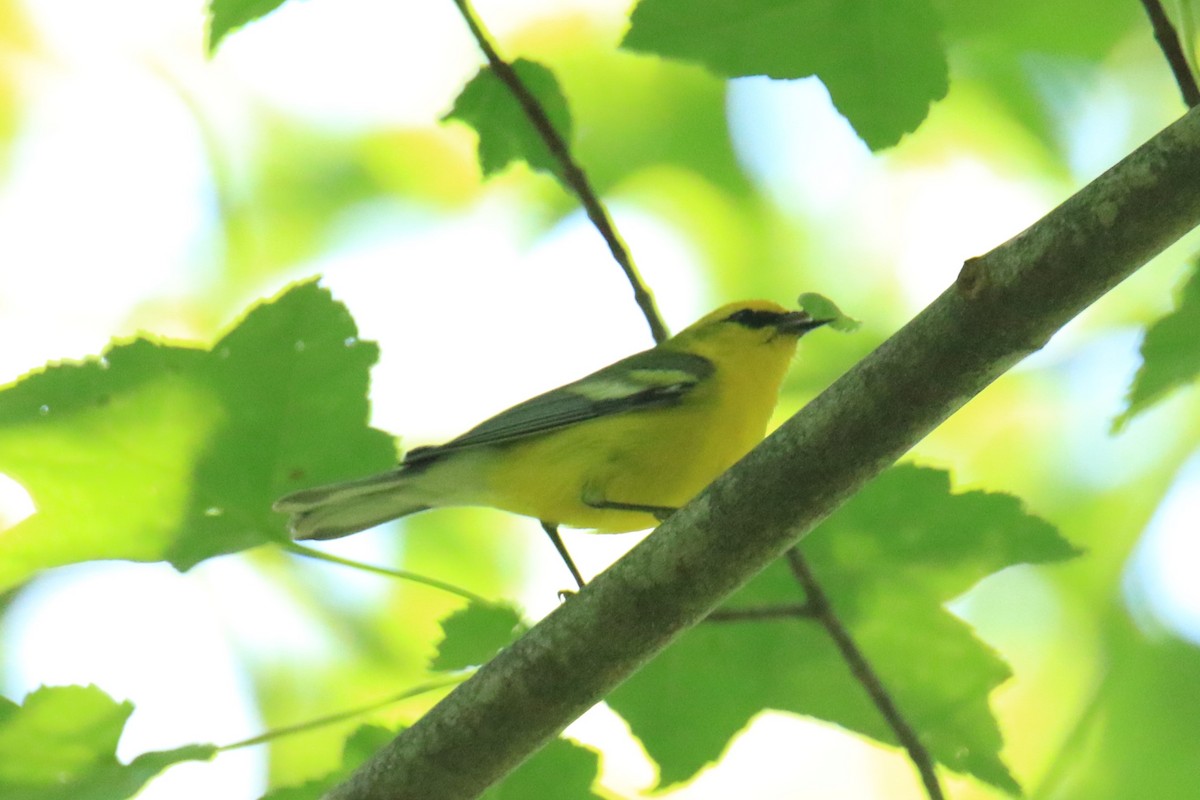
(616,451)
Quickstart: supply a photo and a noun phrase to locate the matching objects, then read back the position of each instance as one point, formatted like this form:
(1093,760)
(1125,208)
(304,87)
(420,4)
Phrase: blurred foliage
(1138,730)
(1185,16)
(358,748)
(882,63)
(159,450)
(1170,352)
(155,451)
(562,770)
(475,634)
(225,16)
(17,41)
(1028,26)
(666,114)
(61,744)
(287,205)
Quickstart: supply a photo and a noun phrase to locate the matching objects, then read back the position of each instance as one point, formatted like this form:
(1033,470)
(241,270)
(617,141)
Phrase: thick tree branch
(862,671)
(1003,307)
(572,173)
(1168,42)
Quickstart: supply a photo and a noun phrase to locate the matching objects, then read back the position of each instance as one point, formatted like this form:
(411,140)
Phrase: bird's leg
(660,513)
(551,530)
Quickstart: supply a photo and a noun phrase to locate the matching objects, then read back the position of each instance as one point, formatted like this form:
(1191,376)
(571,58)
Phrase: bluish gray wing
(644,380)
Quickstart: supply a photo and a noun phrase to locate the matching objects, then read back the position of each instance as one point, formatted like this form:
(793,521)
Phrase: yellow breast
(659,457)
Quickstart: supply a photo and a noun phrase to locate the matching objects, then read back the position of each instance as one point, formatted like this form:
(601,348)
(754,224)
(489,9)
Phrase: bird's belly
(659,458)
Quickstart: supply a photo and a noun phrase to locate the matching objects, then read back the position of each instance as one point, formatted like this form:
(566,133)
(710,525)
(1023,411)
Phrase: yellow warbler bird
(615,451)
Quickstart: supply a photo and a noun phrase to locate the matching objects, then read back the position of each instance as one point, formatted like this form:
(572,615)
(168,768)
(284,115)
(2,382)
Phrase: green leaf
(1170,353)
(505,133)
(286,205)
(224,16)
(1077,28)
(561,770)
(1138,736)
(880,59)
(476,633)
(61,744)
(360,746)
(1185,18)
(161,451)
(667,113)
(888,560)
(1031,90)
(820,307)
(1037,60)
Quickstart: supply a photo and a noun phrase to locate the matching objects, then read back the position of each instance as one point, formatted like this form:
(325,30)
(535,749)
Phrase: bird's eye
(753,318)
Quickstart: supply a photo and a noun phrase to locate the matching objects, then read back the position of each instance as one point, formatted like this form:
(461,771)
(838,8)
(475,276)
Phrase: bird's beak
(799,323)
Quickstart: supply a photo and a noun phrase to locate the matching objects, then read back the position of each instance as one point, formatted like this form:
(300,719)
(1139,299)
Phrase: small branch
(404,575)
(797,611)
(1075,740)
(864,674)
(341,716)
(1168,41)
(572,173)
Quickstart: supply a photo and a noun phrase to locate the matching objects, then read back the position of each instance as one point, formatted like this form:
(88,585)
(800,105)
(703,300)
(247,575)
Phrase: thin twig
(795,611)
(1075,740)
(319,555)
(1168,41)
(341,716)
(864,674)
(572,173)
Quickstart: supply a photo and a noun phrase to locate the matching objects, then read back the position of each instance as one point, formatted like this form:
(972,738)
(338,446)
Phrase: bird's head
(748,324)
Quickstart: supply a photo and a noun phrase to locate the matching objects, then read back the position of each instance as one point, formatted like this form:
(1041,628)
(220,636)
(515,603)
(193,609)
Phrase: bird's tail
(339,509)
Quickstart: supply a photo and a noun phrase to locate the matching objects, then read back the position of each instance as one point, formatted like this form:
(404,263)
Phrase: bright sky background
(109,200)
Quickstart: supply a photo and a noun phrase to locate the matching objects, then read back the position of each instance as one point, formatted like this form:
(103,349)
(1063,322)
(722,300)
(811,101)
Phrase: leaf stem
(1168,42)
(572,173)
(404,575)
(864,674)
(1071,744)
(333,719)
(794,611)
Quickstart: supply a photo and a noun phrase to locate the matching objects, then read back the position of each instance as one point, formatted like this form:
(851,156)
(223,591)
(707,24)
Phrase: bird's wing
(645,380)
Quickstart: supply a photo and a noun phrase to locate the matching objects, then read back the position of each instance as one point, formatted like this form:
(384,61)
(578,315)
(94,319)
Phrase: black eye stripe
(752,318)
